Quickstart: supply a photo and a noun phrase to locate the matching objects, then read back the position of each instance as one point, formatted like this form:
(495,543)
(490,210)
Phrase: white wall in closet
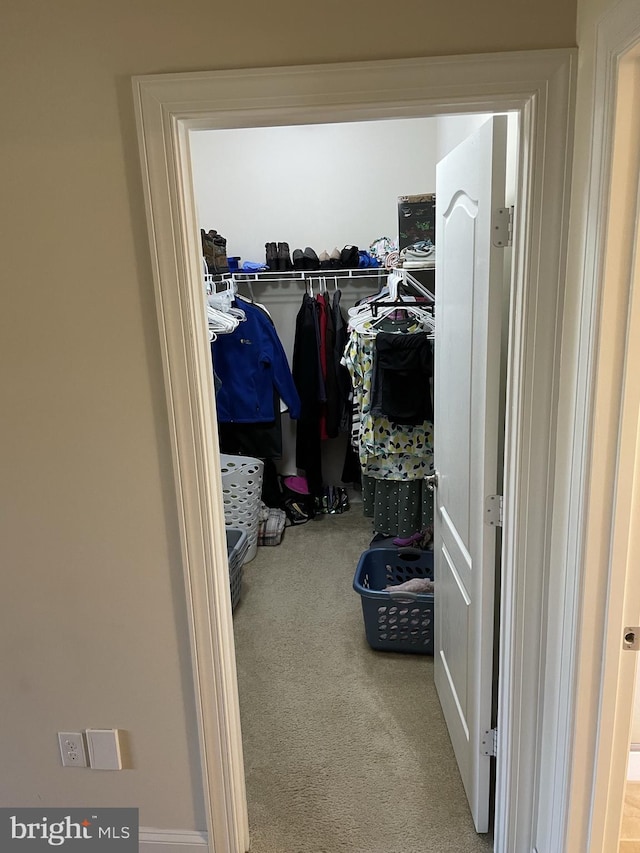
(452,130)
(310,185)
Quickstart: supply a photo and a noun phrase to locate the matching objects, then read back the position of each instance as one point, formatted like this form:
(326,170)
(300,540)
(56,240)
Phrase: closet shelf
(302,275)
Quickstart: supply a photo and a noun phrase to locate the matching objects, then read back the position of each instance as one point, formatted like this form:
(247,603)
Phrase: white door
(470,186)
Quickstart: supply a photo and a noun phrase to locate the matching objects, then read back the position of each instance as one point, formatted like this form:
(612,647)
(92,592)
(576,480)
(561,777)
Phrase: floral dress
(395,458)
(387,451)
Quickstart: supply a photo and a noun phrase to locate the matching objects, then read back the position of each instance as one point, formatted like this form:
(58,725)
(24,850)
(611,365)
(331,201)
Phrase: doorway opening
(297,181)
(538,86)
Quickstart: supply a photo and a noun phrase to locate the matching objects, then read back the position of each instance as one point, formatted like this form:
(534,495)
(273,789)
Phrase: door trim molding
(539,85)
(172,841)
(607,458)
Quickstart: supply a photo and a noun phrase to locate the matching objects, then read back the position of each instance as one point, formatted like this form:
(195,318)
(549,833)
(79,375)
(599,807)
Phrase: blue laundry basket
(396,621)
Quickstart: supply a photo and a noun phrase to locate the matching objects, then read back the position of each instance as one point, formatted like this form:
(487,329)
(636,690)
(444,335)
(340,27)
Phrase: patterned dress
(395,458)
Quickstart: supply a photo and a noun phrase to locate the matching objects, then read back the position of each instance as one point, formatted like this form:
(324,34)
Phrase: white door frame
(539,85)
(609,352)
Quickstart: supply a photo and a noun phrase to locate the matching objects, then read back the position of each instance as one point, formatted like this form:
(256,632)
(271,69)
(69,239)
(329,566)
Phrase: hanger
(366,316)
(366,323)
(207,277)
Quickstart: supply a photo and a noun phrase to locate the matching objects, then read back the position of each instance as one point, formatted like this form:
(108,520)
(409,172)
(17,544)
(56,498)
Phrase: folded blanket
(413,585)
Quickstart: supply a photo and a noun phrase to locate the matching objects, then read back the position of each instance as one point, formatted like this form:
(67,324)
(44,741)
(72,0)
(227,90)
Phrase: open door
(470,188)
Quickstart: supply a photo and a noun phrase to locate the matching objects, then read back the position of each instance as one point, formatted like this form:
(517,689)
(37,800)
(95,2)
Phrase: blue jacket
(250,362)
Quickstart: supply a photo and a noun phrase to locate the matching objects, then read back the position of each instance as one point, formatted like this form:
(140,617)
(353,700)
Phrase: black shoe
(311,261)
(298,259)
(271,256)
(350,258)
(284,258)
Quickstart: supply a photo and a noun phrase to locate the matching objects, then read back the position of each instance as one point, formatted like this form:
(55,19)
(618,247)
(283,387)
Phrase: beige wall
(92,629)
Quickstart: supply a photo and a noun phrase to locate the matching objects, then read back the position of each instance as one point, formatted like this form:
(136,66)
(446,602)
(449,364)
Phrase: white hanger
(367,316)
(209,286)
(220,322)
(389,293)
(366,324)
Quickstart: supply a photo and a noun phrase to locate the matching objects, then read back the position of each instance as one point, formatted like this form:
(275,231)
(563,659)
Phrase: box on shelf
(416,219)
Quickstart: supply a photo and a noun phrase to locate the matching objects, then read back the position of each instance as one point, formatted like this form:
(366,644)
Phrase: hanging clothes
(262,439)
(307,375)
(395,457)
(398,508)
(343,379)
(387,450)
(351,472)
(330,416)
(399,391)
(250,363)
(323,385)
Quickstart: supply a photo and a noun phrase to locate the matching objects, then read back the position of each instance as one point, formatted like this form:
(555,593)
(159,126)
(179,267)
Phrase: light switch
(104,749)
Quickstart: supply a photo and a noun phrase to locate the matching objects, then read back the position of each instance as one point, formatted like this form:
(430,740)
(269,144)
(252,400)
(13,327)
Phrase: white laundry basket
(241,491)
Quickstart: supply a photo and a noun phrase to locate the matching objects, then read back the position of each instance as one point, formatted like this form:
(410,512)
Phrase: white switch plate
(72,749)
(104,749)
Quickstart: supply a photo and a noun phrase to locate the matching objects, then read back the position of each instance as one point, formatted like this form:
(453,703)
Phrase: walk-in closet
(342,352)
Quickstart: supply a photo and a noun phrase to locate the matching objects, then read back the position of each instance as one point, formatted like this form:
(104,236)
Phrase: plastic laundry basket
(241,491)
(237,547)
(396,621)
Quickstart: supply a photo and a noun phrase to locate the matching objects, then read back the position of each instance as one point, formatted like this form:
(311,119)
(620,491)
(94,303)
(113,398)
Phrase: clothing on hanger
(307,375)
(403,370)
(389,358)
(250,363)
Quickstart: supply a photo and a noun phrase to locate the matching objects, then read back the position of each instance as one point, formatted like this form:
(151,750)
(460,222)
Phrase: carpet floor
(346,749)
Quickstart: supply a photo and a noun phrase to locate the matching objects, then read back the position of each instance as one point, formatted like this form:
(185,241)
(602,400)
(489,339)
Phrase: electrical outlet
(72,749)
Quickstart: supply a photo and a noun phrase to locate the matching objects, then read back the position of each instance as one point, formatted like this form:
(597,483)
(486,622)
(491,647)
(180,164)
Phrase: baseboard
(633,768)
(172,841)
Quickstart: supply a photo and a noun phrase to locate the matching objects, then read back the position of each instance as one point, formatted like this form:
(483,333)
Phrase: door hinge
(489,743)
(502,227)
(493,510)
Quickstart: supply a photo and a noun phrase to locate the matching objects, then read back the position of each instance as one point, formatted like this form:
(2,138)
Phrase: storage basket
(237,546)
(396,621)
(241,491)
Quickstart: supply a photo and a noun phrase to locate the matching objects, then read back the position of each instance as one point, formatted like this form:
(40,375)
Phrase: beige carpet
(630,831)
(345,748)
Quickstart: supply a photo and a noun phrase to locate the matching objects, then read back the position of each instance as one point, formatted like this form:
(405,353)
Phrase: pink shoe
(412,540)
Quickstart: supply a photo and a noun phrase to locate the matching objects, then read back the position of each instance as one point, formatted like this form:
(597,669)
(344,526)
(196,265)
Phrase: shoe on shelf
(334,258)
(271,256)
(298,259)
(350,258)
(284,258)
(311,261)
(325,260)
(219,251)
